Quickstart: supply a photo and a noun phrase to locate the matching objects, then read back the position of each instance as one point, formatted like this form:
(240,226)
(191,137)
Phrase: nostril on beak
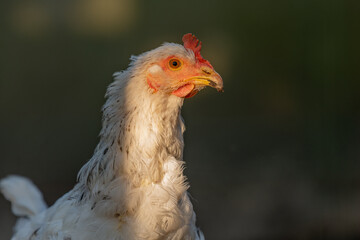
(207,72)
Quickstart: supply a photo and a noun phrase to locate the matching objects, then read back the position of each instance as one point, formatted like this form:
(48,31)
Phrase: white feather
(133,187)
(26,200)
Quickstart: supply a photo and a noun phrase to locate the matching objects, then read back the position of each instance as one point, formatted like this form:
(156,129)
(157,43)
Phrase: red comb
(192,43)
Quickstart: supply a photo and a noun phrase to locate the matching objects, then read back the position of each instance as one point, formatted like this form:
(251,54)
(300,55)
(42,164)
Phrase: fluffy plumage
(133,187)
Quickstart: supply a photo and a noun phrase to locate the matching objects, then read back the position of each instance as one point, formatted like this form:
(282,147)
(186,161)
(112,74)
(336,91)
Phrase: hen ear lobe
(152,72)
(154,69)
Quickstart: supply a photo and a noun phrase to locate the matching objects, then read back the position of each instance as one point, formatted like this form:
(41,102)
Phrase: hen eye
(174,63)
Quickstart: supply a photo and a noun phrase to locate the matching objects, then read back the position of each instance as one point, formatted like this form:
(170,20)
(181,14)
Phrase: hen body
(133,187)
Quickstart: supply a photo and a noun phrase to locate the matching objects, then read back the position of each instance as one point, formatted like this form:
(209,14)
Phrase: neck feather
(140,131)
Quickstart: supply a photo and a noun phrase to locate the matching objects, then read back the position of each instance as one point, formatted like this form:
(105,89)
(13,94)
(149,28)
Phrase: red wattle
(184,90)
(192,93)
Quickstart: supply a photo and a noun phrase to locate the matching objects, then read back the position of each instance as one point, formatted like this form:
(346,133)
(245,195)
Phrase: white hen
(133,187)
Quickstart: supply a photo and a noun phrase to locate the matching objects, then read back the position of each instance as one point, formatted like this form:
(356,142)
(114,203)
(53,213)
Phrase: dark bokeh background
(274,157)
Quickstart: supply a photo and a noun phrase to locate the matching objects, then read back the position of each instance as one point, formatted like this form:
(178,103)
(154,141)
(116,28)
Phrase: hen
(133,187)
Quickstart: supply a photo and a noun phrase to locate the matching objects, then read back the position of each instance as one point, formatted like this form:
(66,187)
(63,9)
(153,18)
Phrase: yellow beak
(208,77)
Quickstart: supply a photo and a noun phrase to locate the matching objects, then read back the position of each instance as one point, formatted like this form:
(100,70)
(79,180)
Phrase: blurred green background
(276,156)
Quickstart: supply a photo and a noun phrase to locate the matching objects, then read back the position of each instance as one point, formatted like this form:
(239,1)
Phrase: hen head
(180,70)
